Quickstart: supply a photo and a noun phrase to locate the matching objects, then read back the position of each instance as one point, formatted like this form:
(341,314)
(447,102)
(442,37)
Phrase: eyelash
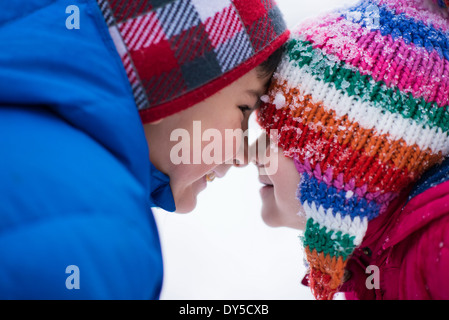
(244,108)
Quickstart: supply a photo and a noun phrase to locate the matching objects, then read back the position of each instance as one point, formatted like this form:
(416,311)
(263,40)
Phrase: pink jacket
(409,245)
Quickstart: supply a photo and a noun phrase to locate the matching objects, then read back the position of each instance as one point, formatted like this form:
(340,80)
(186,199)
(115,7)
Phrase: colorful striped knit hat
(179,52)
(360,102)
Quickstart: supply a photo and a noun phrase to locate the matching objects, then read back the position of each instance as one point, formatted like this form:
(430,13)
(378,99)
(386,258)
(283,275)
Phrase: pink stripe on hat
(410,68)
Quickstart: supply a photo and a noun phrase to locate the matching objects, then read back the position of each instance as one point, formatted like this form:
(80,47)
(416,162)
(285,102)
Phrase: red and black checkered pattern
(178,52)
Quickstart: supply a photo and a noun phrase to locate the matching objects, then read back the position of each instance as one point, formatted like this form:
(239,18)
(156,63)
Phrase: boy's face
(280,206)
(203,140)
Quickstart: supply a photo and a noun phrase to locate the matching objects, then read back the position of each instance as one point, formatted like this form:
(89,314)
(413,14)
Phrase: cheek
(225,139)
(286,181)
(222,130)
(285,194)
(187,174)
(233,143)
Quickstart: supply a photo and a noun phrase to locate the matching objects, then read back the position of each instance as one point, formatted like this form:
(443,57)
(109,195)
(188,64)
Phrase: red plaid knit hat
(179,52)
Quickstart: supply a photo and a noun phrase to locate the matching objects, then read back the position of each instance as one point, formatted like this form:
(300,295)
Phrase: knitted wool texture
(360,103)
(179,52)
(442,3)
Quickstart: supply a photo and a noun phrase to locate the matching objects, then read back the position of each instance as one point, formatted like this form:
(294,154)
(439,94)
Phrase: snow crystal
(345,84)
(279,101)
(265,98)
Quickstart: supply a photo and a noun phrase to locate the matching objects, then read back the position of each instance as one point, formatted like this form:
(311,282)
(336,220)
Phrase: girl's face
(280,179)
(201,142)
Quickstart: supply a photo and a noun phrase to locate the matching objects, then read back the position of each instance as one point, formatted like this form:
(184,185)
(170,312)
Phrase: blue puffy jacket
(76,184)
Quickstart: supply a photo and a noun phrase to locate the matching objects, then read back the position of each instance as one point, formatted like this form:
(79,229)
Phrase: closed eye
(245,109)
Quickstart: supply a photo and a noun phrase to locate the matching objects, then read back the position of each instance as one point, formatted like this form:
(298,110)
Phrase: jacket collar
(160,192)
(428,201)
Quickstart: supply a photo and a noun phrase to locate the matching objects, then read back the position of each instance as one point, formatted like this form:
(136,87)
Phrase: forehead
(252,83)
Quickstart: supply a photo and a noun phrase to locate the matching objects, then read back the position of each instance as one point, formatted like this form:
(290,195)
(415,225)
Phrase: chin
(271,218)
(275,217)
(185,205)
(186,199)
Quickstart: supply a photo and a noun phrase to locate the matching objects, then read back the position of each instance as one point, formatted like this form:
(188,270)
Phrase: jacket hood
(75,73)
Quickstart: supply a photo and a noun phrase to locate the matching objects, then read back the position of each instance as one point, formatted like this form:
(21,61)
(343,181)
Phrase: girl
(360,103)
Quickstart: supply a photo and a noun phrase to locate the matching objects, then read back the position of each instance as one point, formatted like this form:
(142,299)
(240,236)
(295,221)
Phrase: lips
(265,180)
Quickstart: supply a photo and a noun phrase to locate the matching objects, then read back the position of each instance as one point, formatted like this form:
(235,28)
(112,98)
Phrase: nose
(251,153)
(241,159)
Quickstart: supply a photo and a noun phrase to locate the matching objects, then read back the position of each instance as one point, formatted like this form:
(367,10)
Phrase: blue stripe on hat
(312,190)
(370,15)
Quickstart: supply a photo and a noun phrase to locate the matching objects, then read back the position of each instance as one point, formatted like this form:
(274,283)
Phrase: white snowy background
(223,250)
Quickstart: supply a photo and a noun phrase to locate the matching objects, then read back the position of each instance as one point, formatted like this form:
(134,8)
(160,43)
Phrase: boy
(76,183)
